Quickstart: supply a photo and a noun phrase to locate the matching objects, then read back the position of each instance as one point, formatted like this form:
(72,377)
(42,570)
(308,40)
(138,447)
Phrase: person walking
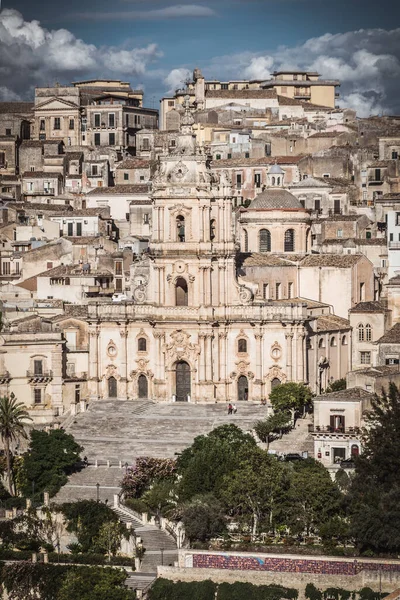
(234,409)
(230,408)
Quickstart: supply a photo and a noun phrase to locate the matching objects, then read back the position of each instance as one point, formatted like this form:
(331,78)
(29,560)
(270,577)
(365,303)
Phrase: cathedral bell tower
(192,246)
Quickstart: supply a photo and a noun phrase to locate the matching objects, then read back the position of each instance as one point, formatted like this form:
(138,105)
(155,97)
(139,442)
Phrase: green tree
(337,386)
(50,458)
(312,497)
(24,580)
(273,427)
(292,397)
(13,419)
(93,583)
(202,466)
(375,488)
(108,540)
(252,492)
(203,518)
(85,518)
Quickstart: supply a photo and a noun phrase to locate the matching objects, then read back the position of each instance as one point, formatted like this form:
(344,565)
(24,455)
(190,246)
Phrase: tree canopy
(375,488)
(290,397)
(50,458)
(13,419)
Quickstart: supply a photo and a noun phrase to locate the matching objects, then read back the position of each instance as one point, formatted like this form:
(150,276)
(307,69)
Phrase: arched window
(344,341)
(245,240)
(289,240)
(242,345)
(181,292)
(368,333)
(321,343)
(142,345)
(213,229)
(333,341)
(180,228)
(360,332)
(278,181)
(273,181)
(265,240)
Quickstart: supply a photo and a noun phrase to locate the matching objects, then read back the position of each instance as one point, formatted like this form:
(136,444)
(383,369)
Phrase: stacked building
(250,241)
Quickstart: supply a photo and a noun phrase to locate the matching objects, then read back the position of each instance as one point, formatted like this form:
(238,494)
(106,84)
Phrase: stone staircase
(83,485)
(298,440)
(160,546)
(121,430)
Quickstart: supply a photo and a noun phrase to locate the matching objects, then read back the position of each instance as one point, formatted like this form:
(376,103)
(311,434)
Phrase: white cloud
(176,78)
(367,63)
(169,12)
(32,55)
(259,67)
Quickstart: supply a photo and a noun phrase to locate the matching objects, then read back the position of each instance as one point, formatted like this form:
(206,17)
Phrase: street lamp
(162,556)
(98,492)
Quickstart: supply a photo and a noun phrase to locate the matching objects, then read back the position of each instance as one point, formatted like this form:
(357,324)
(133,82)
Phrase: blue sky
(155,43)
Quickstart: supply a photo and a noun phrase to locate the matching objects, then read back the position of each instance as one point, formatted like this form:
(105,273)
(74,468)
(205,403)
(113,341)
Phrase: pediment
(56,104)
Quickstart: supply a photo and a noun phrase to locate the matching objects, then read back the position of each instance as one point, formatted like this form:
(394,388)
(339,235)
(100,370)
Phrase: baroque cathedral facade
(194,331)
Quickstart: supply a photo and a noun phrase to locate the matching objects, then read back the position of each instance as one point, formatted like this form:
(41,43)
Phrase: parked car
(119,297)
(293,456)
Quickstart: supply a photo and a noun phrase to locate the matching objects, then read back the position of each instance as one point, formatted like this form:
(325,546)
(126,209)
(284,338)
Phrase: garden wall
(287,570)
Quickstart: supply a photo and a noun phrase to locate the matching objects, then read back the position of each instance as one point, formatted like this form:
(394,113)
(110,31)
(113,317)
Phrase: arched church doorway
(181,292)
(112,387)
(275,382)
(143,387)
(182,381)
(243,388)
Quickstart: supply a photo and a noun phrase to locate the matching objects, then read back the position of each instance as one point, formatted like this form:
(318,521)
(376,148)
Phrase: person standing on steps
(234,408)
(230,408)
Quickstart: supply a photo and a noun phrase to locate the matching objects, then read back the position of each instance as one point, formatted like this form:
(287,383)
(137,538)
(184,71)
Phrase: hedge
(164,589)
(73,559)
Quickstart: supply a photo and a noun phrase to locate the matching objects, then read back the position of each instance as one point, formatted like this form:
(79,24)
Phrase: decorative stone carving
(111,371)
(180,347)
(112,349)
(276,351)
(276,372)
(242,366)
(140,294)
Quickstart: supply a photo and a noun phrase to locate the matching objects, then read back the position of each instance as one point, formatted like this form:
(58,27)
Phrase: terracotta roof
(103,213)
(392,336)
(342,218)
(41,175)
(16,107)
(311,182)
(121,189)
(41,207)
(249,162)
(380,371)
(140,202)
(250,94)
(31,144)
(372,306)
(356,241)
(326,134)
(135,163)
(332,323)
(351,394)
(266,260)
(331,260)
(81,241)
(285,101)
(73,271)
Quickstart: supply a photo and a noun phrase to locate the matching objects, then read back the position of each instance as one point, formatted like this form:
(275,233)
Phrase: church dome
(274,198)
(276,170)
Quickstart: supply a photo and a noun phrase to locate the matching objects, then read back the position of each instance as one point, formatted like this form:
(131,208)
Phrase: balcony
(328,430)
(44,377)
(5,378)
(81,348)
(49,191)
(97,289)
(373,180)
(394,245)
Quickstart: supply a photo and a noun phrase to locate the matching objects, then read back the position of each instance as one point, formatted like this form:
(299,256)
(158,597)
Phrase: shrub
(146,470)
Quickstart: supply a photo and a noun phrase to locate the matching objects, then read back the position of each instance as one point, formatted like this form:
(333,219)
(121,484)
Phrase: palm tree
(13,417)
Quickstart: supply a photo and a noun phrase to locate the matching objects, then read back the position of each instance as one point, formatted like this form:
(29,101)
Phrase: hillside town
(165,272)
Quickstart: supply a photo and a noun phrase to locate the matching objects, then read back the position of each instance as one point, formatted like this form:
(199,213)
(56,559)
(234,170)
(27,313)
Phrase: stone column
(339,356)
(201,214)
(94,364)
(202,343)
(123,364)
(289,355)
(259,338)
(210,359)
(300,357)
(222,335)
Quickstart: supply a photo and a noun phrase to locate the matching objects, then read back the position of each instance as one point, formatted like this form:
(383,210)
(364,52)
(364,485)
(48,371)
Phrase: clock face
(275,353)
